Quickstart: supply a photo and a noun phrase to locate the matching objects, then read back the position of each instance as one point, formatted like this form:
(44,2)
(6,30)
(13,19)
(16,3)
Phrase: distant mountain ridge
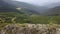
(10,6)
(7,7)
(53,11)
(53,5)
(32,7)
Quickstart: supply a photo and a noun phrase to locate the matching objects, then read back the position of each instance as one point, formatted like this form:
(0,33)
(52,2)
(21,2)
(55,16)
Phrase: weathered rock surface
(29,29)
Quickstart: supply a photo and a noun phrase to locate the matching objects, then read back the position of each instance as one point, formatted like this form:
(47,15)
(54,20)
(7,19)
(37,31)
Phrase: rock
(28,29)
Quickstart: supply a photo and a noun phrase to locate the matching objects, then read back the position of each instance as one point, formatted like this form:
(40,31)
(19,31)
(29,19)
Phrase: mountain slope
(34,8)
(53,11)
(7,7)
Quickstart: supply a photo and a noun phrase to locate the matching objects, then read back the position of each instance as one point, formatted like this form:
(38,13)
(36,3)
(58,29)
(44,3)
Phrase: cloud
(40,2)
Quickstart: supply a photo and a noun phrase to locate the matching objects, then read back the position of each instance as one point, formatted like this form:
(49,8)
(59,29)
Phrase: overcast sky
(40,2)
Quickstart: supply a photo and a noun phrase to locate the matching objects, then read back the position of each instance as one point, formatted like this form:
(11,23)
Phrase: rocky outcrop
(29,29)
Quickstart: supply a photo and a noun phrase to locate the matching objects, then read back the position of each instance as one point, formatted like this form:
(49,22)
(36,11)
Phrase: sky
(39,2)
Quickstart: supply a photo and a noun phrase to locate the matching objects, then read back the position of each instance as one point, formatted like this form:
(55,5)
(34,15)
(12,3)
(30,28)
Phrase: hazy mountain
(8,7)
(53,11)
(53,5)
(32,7)
(26,7)
(5,7)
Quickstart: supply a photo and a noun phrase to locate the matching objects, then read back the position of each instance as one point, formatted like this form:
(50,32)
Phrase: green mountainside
(13,14)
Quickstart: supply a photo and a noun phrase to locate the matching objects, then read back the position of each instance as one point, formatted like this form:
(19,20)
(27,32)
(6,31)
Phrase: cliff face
(29,29)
